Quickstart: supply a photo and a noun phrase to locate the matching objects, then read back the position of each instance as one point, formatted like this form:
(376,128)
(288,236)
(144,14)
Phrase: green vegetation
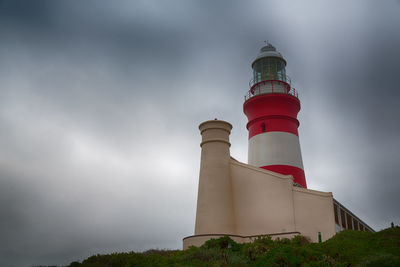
(347,248)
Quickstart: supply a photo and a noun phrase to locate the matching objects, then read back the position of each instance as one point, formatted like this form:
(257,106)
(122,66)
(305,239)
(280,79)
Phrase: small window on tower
(263,128)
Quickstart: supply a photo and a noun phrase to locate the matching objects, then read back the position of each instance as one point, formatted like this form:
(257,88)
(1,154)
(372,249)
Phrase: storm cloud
(100,103)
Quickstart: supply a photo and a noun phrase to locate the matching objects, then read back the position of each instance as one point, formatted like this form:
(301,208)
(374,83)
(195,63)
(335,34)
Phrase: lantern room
(269,73)
(269,65)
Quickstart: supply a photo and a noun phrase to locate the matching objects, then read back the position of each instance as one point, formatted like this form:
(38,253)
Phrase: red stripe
(271,113)
(297,173)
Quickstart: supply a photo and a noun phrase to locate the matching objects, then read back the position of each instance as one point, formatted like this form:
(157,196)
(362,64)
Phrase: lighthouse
(271,106)
(269,194)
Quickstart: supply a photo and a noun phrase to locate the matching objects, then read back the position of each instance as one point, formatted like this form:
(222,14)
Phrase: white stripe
(275,148)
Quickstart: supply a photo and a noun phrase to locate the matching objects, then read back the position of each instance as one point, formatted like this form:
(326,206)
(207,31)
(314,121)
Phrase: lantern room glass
(269,68)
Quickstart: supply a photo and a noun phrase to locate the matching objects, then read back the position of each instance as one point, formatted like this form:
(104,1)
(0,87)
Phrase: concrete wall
(314,213)
(263,200)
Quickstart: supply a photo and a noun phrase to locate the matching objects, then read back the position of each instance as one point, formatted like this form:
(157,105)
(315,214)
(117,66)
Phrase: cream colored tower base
(244,201)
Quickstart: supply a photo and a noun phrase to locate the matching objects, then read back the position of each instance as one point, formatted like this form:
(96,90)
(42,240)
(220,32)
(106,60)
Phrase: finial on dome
(267,47)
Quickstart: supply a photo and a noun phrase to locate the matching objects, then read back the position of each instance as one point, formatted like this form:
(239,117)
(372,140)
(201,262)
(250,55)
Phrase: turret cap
(268,51)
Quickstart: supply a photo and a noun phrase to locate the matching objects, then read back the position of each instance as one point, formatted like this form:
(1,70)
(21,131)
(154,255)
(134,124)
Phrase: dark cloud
(100,103)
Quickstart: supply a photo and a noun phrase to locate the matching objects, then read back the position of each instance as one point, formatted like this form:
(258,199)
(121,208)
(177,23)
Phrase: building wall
(264,203)
(262,200)
(314,213)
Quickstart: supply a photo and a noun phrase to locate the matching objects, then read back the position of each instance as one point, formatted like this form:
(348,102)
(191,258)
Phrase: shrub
(347,248)
(382,260)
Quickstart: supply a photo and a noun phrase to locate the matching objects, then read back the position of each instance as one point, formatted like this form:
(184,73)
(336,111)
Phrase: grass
(347,248)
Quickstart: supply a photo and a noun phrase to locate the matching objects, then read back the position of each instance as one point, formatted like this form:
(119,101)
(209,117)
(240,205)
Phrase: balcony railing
(270,87)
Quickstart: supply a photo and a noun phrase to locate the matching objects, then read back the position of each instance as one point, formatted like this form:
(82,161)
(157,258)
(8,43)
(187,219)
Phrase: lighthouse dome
(268,51)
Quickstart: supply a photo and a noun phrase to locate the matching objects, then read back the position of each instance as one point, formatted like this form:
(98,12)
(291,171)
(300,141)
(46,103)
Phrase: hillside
(347,248)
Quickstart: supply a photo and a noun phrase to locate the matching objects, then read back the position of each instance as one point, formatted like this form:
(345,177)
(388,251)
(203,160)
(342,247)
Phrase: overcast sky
(100,103)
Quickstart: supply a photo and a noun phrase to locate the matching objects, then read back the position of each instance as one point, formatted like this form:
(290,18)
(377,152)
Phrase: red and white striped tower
(271,107)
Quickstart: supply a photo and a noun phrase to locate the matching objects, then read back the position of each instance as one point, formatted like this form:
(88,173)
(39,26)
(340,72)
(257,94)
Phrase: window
(355,224)
(269,68)
(263,128)
(336,213)
(349,222)
(343,219)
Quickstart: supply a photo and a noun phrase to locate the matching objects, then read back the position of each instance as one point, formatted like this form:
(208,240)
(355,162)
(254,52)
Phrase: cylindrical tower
(271,106)
(214,200)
